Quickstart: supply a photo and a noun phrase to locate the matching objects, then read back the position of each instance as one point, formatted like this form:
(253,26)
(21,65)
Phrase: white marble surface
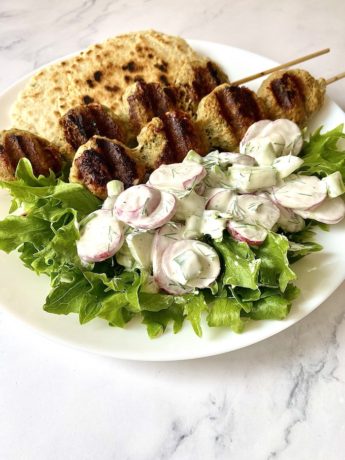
(283,398)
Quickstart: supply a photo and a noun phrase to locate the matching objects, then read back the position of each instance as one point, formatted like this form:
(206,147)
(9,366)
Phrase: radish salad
(213,236)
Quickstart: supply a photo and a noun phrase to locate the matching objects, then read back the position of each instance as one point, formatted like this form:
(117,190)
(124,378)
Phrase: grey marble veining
(281,399)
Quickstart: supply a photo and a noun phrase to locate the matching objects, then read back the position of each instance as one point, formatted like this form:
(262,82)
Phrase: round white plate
(22,293)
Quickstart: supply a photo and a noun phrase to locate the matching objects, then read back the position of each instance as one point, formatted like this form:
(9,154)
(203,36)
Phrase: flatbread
(101,74)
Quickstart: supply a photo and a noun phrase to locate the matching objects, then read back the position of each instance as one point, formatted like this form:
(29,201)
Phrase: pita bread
(101,74)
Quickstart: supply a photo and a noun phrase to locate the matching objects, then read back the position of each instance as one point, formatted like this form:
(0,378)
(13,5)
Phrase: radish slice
(100,238)
(255,210)
(139,200)
(164,237)
(283,135)
(287,164)
(191,264)
(253,131)
(145,208)
(330,211)
(289,221)
(220,201)
(300,192)
(247,233)
(177,176)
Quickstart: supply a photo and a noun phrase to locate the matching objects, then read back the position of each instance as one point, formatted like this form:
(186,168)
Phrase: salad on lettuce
(212,237)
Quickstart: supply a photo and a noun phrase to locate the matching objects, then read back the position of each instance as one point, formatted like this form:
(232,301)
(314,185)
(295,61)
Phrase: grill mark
(92,169)
(34,154)
(120,165)
(180,134)
(39,152)
(83,122)
(206,79)
(13,150)
(287,91)
(239,108)
(154,99)
(162,99)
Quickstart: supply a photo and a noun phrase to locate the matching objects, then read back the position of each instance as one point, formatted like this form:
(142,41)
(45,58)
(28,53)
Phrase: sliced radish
(288,131)
(283,135)
(191,264)
(247,233)
(100,238)
(300,192)
(253,131)
(287,164)
(330,211)
(289,221)
(165,236)
(145,208)
(255,210)
(177,176)
(220,200)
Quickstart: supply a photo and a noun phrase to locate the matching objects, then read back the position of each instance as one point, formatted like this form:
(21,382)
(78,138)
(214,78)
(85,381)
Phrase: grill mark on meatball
(92,169)
(287,91)
(206,79)
(82,122)
(153,99)
(119,164)
(239,107)
(39,152)
(181,135)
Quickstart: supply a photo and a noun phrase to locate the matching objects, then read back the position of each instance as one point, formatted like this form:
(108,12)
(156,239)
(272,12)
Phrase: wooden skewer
(282,66)
(335,78)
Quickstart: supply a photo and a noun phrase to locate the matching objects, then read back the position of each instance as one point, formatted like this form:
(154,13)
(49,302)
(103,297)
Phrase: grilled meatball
(144,101)
(16,144)
(80,123)
(168,139)
(292,94)
(101,160)
(194,81)
(226,113)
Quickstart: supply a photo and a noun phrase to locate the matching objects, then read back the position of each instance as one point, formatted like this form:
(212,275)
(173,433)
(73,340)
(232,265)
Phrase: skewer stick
(281,66)
(335,78)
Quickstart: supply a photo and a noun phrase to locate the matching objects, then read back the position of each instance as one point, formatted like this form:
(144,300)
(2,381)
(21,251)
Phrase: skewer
(282,66)
(335,78)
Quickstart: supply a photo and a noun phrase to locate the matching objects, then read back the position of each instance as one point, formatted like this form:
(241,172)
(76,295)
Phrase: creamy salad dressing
(157,226)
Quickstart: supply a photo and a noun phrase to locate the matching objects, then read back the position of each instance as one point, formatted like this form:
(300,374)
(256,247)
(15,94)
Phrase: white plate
(22,293)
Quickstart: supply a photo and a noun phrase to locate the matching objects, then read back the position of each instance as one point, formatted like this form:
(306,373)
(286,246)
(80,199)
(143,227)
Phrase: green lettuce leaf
(226,312)
(322,153)
(275,270)
(240,267)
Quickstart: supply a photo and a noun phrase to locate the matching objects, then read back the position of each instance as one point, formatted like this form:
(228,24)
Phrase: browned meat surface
(101,160)
(16,144)
(292,94)
(168,139)
(144,101)
(84,121)
(195,81)
(226,113)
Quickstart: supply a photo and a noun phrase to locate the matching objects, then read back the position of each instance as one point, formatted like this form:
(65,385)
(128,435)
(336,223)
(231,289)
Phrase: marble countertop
(280,399)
